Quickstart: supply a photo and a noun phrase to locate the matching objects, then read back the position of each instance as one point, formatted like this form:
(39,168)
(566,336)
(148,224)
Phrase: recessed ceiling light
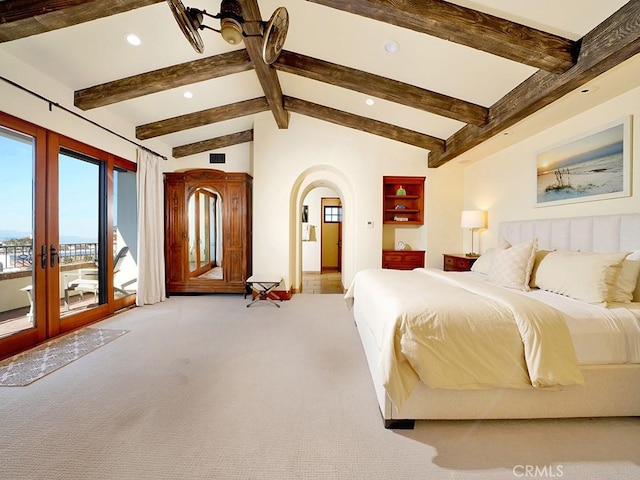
(369,101)
(391,47)
(187,94)
(132,39)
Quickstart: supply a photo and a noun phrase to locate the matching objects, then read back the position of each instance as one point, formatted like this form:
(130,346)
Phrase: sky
(601,143)
(78,195)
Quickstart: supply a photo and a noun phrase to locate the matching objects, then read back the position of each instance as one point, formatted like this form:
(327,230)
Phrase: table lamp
(472,219)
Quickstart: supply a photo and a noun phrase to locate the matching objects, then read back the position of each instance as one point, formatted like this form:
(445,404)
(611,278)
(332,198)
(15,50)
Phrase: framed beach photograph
(595,166)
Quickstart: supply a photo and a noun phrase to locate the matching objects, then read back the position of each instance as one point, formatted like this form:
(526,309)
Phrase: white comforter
(462,334)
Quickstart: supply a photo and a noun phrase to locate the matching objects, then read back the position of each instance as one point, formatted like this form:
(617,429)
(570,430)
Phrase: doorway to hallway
(330,234)
(322,283)
(322,243)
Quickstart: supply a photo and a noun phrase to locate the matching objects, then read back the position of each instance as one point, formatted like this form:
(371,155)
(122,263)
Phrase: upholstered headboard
(602,233)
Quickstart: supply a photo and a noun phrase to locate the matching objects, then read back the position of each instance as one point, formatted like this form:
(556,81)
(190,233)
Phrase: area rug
(27,367)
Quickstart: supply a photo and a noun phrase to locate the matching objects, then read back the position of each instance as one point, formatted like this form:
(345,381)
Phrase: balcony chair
(88,279)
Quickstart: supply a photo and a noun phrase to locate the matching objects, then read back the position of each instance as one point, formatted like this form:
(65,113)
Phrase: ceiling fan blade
(188,24)
(275,34)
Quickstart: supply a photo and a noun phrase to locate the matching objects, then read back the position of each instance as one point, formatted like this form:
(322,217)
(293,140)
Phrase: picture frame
(593,166)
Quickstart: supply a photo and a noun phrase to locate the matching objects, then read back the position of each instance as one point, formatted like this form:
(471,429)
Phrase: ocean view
(13,234)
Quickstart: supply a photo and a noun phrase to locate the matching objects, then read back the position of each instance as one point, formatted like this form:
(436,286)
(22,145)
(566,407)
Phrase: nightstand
(458,262)
(402,259)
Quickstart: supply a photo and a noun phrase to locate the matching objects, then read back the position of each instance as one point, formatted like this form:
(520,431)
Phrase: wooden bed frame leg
(395,424)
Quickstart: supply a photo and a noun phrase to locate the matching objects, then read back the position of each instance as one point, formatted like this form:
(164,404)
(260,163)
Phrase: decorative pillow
(636,293)
(635,256)
(540,254)
(512,267)
(482,264)
(628,279)
(585,276)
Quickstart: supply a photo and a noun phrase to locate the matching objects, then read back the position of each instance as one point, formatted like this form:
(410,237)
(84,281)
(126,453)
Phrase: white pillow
(482,264)
(628,279)
(586,276)
(540,254)
(512,267)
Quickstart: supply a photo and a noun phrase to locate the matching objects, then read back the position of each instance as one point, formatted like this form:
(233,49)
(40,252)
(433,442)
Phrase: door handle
(43,257)
(52,255)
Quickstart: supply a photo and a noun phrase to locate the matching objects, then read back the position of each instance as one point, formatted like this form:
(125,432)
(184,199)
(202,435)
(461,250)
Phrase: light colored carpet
(204,388)
(29,366)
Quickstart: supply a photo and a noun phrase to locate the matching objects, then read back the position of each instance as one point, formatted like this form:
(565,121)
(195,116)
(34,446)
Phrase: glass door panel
(79,257)
(17,306)
(125,234)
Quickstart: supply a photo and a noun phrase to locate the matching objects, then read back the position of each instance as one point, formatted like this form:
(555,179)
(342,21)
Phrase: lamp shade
(472,219)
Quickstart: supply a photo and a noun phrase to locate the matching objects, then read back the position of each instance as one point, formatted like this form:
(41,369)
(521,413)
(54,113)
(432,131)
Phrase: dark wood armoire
(207,231)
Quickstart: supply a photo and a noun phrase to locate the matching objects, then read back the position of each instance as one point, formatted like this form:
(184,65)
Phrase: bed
(555,333)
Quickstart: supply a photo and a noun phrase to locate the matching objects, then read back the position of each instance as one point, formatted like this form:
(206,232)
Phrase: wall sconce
(473,219)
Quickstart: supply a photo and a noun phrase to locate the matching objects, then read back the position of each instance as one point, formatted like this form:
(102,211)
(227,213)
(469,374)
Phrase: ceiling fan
(273,34)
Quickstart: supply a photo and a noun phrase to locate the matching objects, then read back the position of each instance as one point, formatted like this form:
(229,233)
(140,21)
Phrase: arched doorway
(321,176)
(322,242)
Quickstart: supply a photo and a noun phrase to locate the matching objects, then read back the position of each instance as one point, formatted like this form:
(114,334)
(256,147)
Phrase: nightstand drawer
(458,263)
(410,257)
(402,259)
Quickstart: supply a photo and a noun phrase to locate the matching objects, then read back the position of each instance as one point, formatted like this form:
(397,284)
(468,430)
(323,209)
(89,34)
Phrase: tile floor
(326,282)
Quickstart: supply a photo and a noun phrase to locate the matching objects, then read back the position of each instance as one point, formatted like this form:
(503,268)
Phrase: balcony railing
(20,257)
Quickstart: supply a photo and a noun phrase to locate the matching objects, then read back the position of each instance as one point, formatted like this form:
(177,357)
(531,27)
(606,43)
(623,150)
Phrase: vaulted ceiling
(463,71)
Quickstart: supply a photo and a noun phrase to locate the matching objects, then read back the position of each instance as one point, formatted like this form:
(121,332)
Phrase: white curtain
(150,188)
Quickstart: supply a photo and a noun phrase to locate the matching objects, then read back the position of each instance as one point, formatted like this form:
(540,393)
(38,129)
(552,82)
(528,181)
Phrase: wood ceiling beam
(212,144)
(381,87)
(363,124)
(23,18)
(267,75)
(612,42)
(201,118)
(469,27)
(163,79)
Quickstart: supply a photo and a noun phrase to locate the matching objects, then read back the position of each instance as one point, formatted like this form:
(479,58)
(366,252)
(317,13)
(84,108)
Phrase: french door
(58,240)
(76,244)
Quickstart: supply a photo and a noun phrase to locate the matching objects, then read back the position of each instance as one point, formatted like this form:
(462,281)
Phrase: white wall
(279,160)
(504,183)
(276,160)
(238,159)
(32,109)
(359,160)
